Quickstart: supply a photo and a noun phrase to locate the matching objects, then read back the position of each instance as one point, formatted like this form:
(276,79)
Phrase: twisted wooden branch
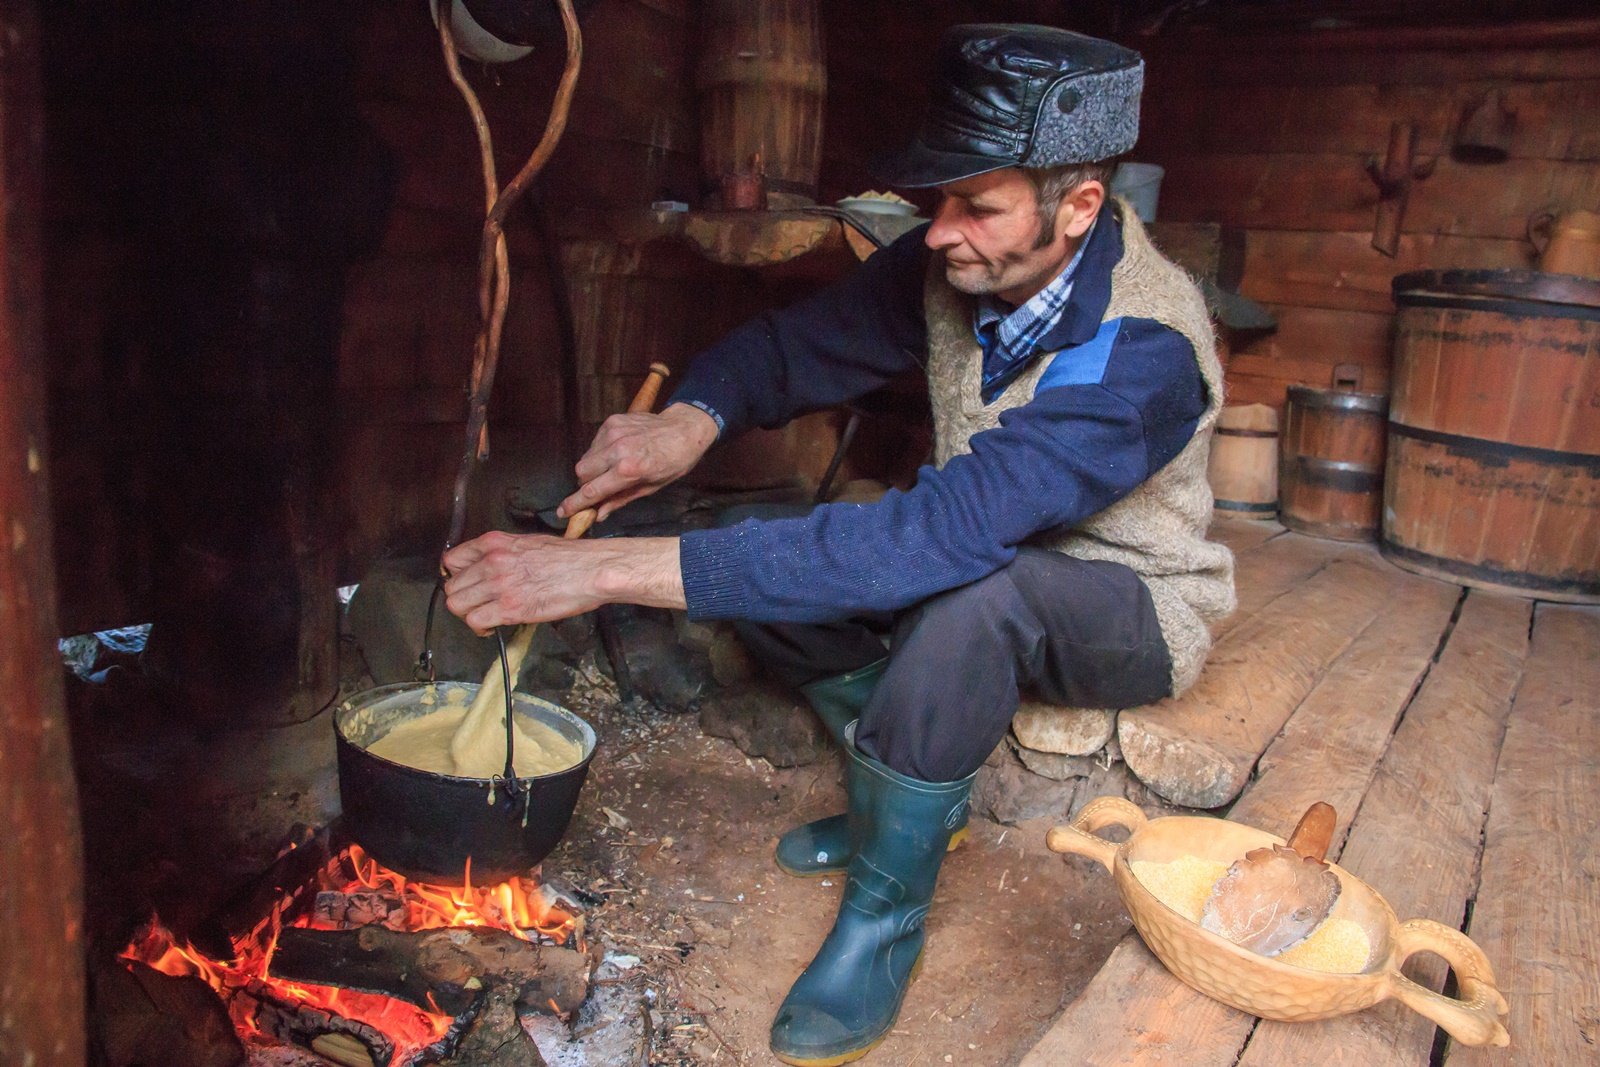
(494,264)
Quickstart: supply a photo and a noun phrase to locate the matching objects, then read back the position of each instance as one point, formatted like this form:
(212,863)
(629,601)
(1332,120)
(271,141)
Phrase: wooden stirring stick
(485,720)
(643,401)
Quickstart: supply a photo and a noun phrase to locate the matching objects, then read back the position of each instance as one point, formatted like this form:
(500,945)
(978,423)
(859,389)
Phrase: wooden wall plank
(1311,341)
(1296,59)
(1264,379)
(1356,118)
(41,860)
(1343,272)
(1250,389)
(1331,191)
(1136,1013)
(1537,914)
(1198,749)
(1271,132)
(1417,836)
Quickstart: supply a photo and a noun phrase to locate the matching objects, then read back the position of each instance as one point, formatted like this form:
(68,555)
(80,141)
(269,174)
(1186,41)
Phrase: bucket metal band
(1587,586)
(1520,287)
(1303,396)
(1333,531)
(1496,452)
(788,185)
(1521,309)
(1240,505)
(1337,475)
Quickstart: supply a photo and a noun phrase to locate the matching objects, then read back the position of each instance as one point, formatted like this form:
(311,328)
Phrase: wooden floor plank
(1198,749)
(1133,1011)
(1330,748)
(1537,915)
(1417,834)
(1241,535)
(1269,570)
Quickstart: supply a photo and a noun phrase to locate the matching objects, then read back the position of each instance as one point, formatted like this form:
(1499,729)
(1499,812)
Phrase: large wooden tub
(1493,475)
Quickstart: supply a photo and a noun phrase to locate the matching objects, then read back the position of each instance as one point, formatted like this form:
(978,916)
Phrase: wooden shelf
(738,238)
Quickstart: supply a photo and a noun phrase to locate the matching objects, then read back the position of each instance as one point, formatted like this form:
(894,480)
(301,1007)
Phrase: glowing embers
(364,905)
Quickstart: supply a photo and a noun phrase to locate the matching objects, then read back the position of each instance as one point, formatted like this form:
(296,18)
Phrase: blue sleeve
(838,344)
(1072,451)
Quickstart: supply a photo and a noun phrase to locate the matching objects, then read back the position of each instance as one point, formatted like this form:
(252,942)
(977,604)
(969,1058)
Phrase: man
(1056,541)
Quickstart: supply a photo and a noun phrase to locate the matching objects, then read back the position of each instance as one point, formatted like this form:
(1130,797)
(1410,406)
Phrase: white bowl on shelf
(868,206)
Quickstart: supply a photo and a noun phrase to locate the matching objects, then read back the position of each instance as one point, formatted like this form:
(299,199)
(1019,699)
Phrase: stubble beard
(990,280)
(973,279)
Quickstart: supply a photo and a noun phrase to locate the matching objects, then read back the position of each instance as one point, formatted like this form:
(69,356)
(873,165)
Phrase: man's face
(988,230)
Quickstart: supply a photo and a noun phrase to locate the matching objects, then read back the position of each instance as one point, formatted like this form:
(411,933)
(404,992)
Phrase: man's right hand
(634,455)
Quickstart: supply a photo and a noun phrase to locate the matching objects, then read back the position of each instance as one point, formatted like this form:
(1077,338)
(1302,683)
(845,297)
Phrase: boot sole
(856,1054)
(956,840)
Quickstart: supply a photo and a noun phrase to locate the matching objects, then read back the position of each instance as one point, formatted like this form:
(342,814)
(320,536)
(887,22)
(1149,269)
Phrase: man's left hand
(501,578)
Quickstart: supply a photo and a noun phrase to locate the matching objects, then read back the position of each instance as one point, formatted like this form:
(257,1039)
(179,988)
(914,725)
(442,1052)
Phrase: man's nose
(943,233)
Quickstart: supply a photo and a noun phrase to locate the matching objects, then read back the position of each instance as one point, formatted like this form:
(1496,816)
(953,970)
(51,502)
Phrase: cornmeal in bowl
(1338,946)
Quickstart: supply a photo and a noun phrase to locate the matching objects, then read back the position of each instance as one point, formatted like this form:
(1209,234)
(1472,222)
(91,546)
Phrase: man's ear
(1079,208)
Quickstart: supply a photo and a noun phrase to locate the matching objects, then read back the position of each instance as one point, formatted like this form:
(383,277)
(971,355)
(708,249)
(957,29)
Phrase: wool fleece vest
(1159,529)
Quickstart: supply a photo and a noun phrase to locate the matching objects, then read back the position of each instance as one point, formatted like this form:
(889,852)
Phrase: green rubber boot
(847,1000)
(823,846)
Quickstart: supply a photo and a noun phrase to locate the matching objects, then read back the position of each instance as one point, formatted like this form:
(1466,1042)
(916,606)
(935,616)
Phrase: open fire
(351,891)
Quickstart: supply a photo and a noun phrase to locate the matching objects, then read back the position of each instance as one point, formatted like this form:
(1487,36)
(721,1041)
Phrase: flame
(516,906)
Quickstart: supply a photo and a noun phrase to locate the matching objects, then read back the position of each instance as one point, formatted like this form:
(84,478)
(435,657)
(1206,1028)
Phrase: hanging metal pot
(429,826)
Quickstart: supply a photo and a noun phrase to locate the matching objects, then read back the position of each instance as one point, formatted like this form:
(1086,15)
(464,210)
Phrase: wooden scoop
(1274,897)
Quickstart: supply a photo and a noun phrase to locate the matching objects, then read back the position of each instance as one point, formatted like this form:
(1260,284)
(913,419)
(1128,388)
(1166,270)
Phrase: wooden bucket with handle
(1330,476)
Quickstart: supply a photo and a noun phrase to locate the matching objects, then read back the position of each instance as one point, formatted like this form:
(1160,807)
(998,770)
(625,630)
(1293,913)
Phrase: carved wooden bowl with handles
(1264,986)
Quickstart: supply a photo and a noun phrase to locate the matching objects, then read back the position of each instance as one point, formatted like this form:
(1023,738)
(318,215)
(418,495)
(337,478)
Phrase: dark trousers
(1081,633)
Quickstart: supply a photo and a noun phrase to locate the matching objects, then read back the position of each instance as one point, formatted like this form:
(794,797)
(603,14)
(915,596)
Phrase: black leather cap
(1009,95)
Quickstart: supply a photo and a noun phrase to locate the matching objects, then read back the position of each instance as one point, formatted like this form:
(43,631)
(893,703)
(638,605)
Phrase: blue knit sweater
(1119,400)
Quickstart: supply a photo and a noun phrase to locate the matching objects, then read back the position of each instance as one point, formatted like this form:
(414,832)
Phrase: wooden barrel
(1493,475)
(630,308)
(1330,477)
(762,81)
(1244,461)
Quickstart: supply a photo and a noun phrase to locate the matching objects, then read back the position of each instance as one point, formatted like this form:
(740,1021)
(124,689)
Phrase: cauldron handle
(509,782)
(424,671)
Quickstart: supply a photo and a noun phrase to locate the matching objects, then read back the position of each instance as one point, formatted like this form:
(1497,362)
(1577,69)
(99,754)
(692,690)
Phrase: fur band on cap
(1085,118)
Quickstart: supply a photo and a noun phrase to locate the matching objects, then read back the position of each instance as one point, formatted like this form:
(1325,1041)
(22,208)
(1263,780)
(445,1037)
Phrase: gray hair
(1051,184)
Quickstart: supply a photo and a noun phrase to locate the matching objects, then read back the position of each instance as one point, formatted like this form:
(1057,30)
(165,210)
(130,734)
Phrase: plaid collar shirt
(1009,335)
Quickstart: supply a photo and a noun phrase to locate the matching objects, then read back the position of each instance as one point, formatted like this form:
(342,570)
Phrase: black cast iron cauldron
(427,826)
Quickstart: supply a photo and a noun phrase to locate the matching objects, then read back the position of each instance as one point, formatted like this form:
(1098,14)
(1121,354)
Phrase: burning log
(440,970)
(275,894)
(144,1016)
(371,907)
(495,1037)
(347,1042)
